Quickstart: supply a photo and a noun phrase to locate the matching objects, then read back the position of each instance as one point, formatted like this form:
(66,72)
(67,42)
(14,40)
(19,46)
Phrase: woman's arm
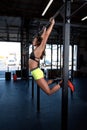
(52,22)
(38,51)
(46,33)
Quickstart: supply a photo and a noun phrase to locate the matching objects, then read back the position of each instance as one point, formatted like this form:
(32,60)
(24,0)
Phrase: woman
(35,57)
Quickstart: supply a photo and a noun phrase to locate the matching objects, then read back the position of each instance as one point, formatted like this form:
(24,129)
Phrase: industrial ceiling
(21,15)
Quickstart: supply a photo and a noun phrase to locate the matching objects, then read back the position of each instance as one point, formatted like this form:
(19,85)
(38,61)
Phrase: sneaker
(71,86)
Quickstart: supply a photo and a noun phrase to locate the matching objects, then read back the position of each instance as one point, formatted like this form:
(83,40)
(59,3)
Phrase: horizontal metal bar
(78,9)
(48,24)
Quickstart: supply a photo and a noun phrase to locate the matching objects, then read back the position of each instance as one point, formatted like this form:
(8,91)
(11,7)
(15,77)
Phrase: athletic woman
(35,57)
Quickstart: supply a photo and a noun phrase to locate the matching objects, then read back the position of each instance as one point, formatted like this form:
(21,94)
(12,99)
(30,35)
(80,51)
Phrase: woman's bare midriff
(32,64)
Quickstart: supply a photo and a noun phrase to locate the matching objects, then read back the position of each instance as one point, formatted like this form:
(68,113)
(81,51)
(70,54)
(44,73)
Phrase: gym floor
(18,111)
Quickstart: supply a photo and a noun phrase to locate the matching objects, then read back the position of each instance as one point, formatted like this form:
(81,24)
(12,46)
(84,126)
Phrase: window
(10,57)
(54,57)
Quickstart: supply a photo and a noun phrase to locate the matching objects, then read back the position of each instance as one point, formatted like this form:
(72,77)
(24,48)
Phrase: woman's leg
(42,83)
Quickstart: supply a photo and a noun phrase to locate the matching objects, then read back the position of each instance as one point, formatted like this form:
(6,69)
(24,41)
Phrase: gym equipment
(38,35)
(8,75)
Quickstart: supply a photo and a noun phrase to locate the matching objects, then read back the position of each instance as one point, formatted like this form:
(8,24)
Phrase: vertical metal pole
(66,65)
(38,98)
(27,48)
(51,55)
(22,23)
(32,87)
(72,66)
(57,56)
(72,61)
(60,56)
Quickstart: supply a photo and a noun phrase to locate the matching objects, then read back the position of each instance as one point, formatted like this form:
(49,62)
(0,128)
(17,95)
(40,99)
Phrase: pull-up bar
(47,25)
(55,15)
(78,9)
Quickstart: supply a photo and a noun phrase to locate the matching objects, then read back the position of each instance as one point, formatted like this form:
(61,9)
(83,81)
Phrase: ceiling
(15,14)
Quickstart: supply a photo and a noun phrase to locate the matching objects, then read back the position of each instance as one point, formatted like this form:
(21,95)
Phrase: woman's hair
(39,40)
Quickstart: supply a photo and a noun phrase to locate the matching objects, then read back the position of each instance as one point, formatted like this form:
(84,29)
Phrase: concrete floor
(18,111)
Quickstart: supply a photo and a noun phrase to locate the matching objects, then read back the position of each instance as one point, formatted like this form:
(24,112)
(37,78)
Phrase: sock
(71,86)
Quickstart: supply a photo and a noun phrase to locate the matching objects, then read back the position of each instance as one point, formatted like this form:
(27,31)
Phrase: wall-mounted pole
(66,65)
